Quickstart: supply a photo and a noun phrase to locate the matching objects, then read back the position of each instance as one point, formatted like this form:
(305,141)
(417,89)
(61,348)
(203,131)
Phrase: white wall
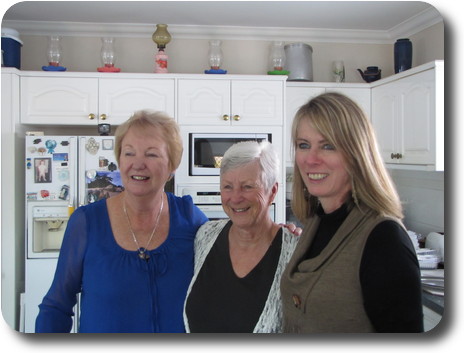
(423,197)
(240,56)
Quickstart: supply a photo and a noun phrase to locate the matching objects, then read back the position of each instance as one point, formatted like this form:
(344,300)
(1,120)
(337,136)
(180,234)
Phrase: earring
(306,194)
(354,194)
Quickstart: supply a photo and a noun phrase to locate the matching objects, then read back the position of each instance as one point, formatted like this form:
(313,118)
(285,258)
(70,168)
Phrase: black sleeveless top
(222,302)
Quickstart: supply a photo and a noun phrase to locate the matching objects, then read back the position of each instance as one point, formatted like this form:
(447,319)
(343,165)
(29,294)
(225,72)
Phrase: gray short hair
(246,152)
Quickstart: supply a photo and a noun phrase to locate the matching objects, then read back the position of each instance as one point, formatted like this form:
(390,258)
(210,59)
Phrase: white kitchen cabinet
(296,97)
(225,102)
(91,100)
(59,100)
(408,116)
(300,93)
(361,95)
(119,98)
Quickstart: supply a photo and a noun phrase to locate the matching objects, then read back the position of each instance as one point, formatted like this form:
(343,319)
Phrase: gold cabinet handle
(236,117)
(396,156)
(225,117)
(399,155)
(392,156)
(91,116)
(103,117)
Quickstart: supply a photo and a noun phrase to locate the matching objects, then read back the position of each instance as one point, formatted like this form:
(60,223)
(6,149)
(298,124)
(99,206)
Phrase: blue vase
(403,55)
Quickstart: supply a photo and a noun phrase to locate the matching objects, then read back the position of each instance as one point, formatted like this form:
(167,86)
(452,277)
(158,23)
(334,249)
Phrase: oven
(207,149)
(207,198)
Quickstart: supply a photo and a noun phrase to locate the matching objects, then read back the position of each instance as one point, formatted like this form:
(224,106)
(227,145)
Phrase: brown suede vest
(324,294)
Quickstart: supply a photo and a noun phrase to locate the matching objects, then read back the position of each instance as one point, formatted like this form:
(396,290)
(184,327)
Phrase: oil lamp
(277,59)
(161,37)
(54,52)
(215,58)
(108,56)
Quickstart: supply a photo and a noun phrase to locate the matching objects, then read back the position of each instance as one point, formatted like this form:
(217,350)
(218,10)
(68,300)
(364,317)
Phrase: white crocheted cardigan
(270,320)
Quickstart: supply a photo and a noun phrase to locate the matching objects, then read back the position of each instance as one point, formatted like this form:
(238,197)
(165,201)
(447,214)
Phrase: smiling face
(243,196)
(322,167)
(144,161)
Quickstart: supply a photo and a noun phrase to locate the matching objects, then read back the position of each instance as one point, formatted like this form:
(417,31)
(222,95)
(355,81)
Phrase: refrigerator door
(50,168)
(98,172)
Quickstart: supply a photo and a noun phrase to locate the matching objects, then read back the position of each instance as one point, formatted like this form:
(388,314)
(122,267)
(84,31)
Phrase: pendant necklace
(142,251)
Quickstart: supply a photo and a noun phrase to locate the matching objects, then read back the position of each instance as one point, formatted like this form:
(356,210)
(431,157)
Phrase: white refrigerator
(62,173)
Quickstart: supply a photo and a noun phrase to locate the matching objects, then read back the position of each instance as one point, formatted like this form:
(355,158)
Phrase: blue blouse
(119,291)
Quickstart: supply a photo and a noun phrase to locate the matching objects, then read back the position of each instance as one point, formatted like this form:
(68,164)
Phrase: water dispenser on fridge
(45,227)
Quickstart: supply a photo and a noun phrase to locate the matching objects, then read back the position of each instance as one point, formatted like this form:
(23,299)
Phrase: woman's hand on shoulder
(292,228)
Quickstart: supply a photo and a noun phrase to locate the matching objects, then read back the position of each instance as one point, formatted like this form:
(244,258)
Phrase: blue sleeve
(56,309)
(196,218)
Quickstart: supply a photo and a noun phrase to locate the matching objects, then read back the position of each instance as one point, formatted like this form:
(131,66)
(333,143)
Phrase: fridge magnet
(108,144)
(112,167)
(62,174)
(104,185)
(103,163)
(43,172)
(50,144)
(31,196)
(41,150)
(60,157)
(92,146)
(64,193)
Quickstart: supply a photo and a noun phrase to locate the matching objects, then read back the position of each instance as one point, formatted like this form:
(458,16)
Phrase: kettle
(371,74)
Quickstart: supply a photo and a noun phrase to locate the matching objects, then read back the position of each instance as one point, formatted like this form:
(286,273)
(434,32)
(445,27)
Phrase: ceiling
(368,16)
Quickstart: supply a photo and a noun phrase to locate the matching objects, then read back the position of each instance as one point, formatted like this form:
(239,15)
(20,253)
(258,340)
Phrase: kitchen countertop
(433,302)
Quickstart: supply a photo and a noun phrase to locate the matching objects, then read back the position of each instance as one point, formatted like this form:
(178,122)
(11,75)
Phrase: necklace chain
(143,251)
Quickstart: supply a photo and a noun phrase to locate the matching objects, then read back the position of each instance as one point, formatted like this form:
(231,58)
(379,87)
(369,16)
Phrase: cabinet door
(362,96)
(58,100)
(120,98)
(296,97)
(204,102)
(417,119)
(257,102)
(385,121)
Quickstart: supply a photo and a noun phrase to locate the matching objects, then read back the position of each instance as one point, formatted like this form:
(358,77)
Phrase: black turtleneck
(389,273)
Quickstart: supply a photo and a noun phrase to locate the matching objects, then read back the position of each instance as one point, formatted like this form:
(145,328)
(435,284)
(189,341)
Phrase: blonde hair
(343,123)
(167,127)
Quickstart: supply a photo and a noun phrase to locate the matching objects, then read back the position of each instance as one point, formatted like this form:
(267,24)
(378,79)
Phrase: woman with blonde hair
(354,269)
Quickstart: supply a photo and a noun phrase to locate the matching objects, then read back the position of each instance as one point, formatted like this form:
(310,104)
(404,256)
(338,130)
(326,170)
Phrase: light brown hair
(167,127)
(343,124)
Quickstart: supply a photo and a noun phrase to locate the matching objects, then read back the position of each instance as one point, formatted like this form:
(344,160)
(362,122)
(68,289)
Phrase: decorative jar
(403,55)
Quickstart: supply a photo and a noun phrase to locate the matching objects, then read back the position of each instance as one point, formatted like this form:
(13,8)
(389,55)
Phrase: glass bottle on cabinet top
(277,59)
(54,53)
(215,57)
(108,56)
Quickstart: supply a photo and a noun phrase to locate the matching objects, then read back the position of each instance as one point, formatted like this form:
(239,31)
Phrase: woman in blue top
(130,256)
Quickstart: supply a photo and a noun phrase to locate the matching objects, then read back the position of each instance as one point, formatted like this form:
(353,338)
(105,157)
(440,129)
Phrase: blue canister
(403,55)
(11,48)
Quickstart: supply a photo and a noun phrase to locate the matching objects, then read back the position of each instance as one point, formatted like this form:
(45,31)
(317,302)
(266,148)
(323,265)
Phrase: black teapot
(371,74)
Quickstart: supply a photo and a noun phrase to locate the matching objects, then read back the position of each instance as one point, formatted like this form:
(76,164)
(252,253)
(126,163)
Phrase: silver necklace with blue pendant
(143,251)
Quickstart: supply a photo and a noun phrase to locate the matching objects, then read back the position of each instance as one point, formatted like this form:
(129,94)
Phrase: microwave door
(207,150)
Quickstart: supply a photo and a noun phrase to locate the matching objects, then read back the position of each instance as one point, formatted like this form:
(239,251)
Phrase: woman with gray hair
(239,262)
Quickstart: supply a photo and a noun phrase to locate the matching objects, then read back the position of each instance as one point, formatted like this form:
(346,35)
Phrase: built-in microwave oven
(207,149)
